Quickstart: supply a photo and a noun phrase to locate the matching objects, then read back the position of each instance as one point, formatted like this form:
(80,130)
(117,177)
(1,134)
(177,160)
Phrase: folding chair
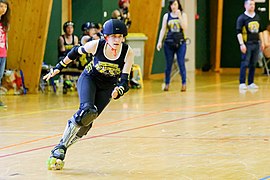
(265,64)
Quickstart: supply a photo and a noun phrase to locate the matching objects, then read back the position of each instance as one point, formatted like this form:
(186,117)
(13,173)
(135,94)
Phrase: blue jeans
(169,55)
(249,60)
(2,67)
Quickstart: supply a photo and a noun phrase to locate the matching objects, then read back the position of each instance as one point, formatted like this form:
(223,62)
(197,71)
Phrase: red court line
(140,127)
(135,117)
(132,118)
(30,141)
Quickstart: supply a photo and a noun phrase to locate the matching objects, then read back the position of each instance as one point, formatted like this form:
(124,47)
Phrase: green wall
(82,11)
(159,56)
(51,53)
(202,35)
(91,10)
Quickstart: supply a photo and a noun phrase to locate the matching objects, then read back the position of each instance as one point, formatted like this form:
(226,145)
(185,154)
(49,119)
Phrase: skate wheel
(55,164)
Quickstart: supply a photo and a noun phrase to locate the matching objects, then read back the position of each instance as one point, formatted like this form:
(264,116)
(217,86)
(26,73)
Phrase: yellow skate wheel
(55,164)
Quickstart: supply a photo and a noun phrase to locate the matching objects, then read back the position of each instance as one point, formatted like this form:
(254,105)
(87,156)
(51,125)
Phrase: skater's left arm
(123,87)
(75,52)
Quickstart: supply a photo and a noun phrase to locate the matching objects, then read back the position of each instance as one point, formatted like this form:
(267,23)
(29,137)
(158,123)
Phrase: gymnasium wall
(27,38)
(55,27)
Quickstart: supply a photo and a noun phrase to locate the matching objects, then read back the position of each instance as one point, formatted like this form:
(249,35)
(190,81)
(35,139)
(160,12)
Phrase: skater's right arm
(75,52)
(162,31)
(239,31)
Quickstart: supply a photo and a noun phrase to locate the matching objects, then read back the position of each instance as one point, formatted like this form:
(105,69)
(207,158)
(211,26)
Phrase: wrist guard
(61,65)
(122,85)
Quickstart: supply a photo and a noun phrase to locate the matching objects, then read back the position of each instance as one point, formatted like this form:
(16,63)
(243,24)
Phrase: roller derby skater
(97,85)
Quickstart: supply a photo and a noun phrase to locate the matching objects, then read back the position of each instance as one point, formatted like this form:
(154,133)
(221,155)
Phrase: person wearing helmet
(104,79)
(89,33)
(174,25)
(99,30)
(65,43)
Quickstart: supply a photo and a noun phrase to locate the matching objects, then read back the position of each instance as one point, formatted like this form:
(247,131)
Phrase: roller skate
(67,86)
(56,160)
(134,84)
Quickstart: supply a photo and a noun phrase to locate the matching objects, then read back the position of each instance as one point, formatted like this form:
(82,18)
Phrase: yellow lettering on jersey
(108,69)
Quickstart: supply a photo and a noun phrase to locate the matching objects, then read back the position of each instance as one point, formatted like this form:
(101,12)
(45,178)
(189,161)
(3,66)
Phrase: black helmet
(114,26)
(88,25)
(66,24)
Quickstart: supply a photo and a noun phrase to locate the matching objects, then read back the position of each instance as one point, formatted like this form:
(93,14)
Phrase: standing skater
(175,24)
(97,84)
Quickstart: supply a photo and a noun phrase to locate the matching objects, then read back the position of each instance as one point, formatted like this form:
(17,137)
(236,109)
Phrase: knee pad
(86,114)
(84,130)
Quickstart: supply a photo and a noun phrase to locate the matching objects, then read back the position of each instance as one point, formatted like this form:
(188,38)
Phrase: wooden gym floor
(212,131)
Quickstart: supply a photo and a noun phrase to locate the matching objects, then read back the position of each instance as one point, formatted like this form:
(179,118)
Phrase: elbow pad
(73,53)
(122,86)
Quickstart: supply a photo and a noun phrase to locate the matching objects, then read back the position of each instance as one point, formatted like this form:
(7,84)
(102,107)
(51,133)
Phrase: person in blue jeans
(4,26)
(250,38)
(175,24)
(97,85)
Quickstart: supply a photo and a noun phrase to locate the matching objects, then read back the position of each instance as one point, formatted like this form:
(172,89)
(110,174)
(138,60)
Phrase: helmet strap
(112,48)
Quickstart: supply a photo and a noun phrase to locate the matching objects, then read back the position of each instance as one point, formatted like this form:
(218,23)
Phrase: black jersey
(249,27)
(174,26)
(68,47)
(105,69)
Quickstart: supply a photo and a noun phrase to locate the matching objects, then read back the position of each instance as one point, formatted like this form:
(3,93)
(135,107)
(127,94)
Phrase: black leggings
(93,92)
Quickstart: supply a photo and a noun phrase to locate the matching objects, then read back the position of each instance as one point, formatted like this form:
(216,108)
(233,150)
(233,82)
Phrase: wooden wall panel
(145,19)
(216,14)
(66,11)
(27,38)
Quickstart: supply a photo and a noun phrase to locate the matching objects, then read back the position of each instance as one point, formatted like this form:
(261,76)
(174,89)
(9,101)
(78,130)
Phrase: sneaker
(242,86)
(134,84)
(253,86)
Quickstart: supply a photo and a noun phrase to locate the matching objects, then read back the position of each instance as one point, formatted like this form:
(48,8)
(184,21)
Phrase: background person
(250,38)
(175,24)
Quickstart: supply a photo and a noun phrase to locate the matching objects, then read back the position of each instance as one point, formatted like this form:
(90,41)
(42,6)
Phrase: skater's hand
(52,73)
(115,92)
